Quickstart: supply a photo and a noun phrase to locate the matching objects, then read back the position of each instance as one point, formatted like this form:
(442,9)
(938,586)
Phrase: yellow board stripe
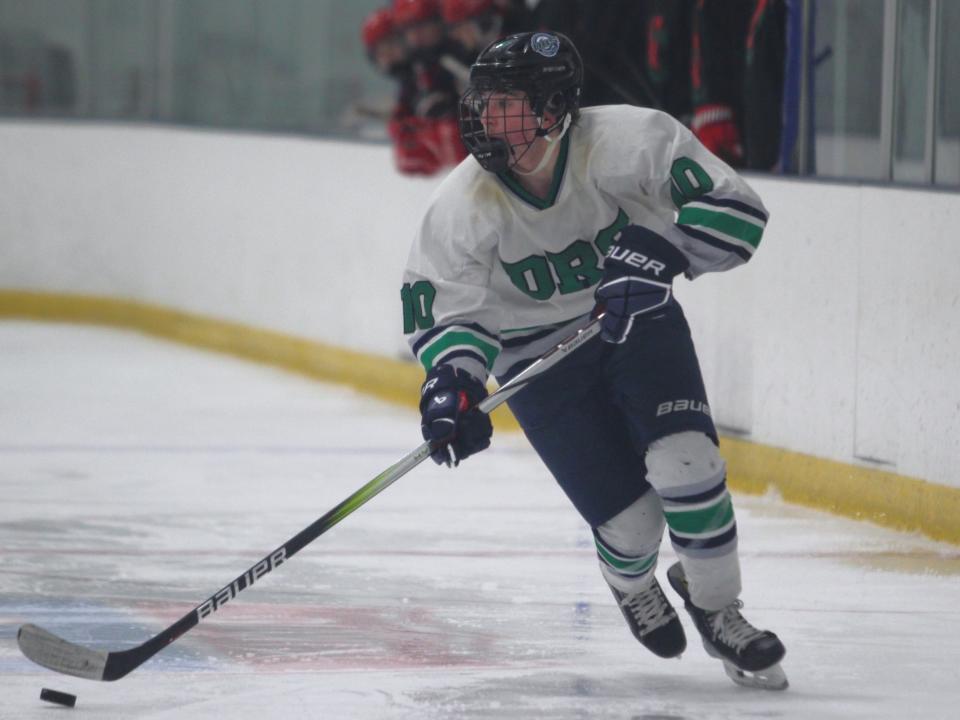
(391,380)
(858,492)
(862,493)
(384,378)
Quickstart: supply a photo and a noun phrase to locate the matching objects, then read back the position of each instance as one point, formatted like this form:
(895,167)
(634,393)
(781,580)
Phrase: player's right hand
(449,418)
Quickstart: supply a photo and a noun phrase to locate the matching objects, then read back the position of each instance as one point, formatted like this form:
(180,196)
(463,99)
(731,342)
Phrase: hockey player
(560,213)
(471,25)
(436,96)
(718,48)
(384,46)
(387,52)
(422,27)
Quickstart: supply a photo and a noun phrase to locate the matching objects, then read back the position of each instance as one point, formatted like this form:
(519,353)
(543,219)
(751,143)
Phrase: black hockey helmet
(545,66)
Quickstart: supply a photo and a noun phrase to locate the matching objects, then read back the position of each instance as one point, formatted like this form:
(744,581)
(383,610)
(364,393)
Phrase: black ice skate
(652,620)
(750,657)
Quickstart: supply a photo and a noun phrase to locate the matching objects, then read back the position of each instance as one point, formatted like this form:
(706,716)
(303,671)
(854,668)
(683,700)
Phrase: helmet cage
(498,154)
(550,84)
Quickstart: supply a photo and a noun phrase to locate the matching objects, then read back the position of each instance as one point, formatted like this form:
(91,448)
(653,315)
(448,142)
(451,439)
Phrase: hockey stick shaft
(55,653)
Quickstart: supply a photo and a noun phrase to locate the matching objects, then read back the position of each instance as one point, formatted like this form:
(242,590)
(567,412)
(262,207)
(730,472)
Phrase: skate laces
(650,607)
(732,628)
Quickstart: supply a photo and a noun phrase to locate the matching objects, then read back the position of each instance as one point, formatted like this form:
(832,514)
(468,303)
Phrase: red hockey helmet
(377,26)
(455,11)
(408,12)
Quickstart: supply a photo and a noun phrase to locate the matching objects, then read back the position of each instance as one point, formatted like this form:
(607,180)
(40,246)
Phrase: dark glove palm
(448,415)
(638,273)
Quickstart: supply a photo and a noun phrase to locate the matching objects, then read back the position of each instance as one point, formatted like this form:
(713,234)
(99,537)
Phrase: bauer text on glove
(638,273)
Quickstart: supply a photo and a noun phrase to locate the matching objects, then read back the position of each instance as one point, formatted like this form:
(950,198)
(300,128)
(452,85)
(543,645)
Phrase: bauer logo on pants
(672,406)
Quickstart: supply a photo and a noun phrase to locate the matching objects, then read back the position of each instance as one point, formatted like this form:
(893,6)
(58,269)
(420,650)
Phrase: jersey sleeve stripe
(470,354)
(442,355)
(745,251)
(730,225)
(428,336)
(733,212)
(734,204)
(459,340)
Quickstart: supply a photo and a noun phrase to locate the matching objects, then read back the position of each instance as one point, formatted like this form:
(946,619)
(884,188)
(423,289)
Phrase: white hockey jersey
(496,275)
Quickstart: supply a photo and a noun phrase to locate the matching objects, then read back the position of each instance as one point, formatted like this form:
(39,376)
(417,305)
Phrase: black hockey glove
(449,418)
(638,273)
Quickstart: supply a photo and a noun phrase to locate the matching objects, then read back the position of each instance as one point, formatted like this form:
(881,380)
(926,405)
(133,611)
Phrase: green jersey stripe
(732,207)
(453,339)
(703,520)
(726,223)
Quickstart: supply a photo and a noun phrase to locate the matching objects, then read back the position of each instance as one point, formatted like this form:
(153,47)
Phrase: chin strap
(552,144)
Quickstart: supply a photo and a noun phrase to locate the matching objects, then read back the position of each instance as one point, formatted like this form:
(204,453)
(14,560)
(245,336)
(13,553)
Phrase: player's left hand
(449,417)
(638,274)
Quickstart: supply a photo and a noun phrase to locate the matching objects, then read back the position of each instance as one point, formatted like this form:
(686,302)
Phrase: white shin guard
(688,473)
(628,544)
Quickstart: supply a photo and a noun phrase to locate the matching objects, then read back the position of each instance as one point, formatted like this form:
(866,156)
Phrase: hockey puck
(60,698)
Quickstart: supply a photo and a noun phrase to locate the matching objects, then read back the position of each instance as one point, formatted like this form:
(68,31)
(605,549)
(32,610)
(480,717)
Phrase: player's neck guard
(553,143)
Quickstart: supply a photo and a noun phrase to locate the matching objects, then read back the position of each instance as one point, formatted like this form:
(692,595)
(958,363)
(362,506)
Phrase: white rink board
(840,339)
(138,477)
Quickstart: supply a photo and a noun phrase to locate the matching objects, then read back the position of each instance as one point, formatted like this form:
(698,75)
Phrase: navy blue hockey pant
(593,415)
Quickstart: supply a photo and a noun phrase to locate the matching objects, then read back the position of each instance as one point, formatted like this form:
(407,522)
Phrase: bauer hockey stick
(53,652)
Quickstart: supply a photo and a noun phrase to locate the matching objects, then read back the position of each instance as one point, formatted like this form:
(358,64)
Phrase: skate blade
(771,678)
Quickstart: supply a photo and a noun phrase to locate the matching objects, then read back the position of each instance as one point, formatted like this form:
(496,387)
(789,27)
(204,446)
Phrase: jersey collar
(514,186)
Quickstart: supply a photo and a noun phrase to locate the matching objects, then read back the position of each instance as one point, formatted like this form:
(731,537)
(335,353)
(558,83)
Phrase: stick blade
(46,649)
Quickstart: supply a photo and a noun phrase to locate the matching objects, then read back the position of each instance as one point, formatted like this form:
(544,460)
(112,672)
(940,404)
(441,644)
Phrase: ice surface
(137,477)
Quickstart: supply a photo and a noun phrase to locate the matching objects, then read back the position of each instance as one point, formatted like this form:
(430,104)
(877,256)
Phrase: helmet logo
(545,44)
